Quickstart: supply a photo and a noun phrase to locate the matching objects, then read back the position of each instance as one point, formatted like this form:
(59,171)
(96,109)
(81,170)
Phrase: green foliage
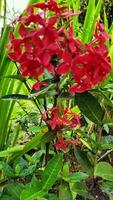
(30,165)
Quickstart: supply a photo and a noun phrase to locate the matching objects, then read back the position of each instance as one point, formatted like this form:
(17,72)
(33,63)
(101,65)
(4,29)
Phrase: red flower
(92,65)
(62,144)
(37,85)
(63,117)
(50,5)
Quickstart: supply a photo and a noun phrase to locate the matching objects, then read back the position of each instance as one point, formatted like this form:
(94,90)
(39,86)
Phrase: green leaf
(11,150)
(29,170)
(108,188)
(88,20)
(96,14)
(15,97)
(78,176)
(43,91)
(31,193)
(51,172)
(64,192)
(17,77)
(83,160)
(90,107)
(106,142)
(32,143)
(6,197)
(49,177)
(6,170)
(81,189)
(104,170)
(14,189)
(65,171)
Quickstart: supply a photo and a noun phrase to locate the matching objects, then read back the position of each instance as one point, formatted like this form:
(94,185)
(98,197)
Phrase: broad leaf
(90,107)
(51,172)
(104,170)
(83,160)
(49,177)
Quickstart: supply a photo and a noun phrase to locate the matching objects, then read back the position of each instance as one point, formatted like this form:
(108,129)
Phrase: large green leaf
(83,160)
(51,172)
(49,177)
(90,107)
(104,170)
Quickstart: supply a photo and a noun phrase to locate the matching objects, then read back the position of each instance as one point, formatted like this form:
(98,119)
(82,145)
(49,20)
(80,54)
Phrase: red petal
(69,14)
(46,58)
(63,68)
(37,85)
(52,21)
(67,57)
(50,68)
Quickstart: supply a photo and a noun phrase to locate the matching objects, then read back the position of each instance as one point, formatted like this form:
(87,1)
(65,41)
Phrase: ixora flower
(62,143)
(89,63)
(39,40)
(61,118)
(92,65)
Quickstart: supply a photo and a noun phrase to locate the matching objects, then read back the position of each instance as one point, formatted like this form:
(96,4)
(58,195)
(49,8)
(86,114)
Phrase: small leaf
(64,192)
(104,170)
(78,176)
(106,142)
(90,107)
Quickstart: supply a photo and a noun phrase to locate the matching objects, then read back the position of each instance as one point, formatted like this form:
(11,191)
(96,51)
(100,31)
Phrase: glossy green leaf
(90,107)
(104,170)
(83,160)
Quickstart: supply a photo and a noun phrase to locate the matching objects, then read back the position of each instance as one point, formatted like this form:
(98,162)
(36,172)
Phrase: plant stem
(98,140)
(47,153)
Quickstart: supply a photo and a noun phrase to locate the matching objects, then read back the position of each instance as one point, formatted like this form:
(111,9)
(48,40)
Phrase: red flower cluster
(62,144)
(61,118)
(41,40)
(89,63)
